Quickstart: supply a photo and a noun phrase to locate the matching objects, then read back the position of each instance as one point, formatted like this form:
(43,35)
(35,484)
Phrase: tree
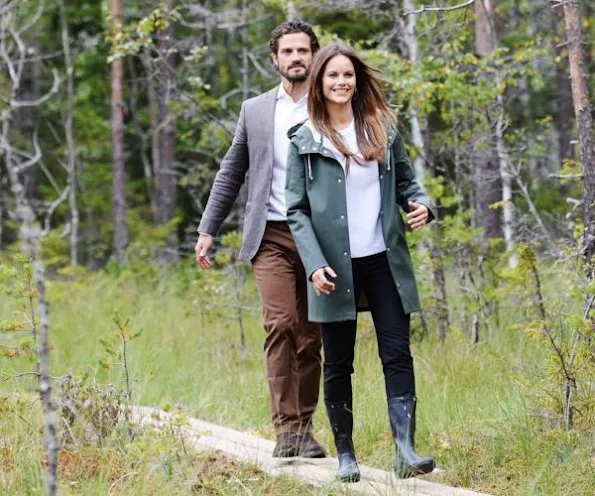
(120,238)
(165,172)
(584,121)
(487,174)
(15,21)
(69,131)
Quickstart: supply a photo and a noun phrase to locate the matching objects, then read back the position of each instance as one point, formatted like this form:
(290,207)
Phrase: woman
(347,171)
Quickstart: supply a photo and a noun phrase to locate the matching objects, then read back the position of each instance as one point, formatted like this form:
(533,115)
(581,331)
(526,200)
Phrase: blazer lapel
(268,123)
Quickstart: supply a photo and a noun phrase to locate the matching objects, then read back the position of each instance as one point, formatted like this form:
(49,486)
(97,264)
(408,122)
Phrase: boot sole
(348,478)
(414,471)
(313,454)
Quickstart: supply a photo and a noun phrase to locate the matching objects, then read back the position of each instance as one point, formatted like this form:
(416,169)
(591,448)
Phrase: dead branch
(34,20)
(33,160)
(55,204)
(438,9)
(41,100)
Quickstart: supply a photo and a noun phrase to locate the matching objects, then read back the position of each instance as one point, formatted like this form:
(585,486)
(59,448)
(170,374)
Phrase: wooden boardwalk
(248,448)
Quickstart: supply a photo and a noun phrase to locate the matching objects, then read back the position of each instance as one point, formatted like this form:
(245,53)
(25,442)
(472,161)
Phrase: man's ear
(275,61)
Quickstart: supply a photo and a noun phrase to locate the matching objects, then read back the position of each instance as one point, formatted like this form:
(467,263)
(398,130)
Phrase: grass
(150,463)
(479,412)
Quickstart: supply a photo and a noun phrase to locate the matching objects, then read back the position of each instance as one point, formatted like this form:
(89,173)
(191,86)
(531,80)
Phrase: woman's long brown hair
(370,108)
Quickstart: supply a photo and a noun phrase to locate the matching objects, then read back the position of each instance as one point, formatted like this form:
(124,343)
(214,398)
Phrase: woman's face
(338,80)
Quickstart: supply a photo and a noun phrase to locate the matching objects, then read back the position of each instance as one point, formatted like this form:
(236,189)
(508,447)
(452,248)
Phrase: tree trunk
(134,115)
(29,228)
(410,40)
(31,235)
(165,173)
(506,178)
(582,110)
(153,103)
(421,141)
(290,9)
(118,175)
(69,130)
(488,180)
(563,115)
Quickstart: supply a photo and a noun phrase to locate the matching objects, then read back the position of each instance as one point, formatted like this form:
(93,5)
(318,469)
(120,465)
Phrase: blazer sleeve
(228,181)
(299,215)
(408,189)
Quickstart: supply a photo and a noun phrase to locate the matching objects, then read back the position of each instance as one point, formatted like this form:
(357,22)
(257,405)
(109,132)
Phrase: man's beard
(298,78)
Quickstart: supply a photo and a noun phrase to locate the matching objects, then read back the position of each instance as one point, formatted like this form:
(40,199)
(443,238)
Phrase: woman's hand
(321,284)
(417,216)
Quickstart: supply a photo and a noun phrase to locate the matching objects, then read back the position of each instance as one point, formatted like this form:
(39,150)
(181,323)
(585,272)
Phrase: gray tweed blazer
(251,151)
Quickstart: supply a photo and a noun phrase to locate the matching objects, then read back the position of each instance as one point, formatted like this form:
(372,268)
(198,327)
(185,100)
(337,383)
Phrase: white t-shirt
(287,114)
(362,190)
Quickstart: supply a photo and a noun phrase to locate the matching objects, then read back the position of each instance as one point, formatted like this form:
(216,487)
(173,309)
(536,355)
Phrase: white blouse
(362,190)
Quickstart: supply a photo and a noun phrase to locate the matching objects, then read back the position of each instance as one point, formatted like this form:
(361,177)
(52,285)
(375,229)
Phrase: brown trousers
(292,345)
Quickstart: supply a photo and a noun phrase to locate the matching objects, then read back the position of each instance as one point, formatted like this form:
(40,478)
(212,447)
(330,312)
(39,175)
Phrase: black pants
(372,275)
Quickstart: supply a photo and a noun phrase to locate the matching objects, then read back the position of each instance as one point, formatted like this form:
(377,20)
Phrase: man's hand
(417,216)
(321,283)
(203,245)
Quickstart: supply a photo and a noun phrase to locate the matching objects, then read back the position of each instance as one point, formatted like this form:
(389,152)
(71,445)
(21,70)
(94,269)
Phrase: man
(292,344)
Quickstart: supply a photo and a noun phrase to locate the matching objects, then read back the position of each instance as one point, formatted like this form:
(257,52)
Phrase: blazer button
(339,180)
(344,253)
(349,290)
(388,249)
(342,216)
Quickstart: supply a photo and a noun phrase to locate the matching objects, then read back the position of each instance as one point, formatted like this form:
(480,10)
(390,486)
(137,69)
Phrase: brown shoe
(308,447)
(286,446)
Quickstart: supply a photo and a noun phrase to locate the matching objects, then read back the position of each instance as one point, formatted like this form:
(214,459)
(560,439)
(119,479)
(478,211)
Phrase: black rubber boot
(340,416)
(401,411)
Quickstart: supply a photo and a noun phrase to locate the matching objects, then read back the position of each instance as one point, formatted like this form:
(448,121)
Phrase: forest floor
(485,410)
(319,473)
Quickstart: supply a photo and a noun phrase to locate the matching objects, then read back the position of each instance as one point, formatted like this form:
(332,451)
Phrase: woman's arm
(299,213)
(408,189)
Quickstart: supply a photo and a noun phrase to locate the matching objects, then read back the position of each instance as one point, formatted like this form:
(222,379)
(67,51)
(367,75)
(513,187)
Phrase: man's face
(294,57)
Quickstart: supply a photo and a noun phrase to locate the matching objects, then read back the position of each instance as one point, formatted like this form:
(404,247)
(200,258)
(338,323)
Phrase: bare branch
(259,67)
(41,100)
(14,76)
(21,62)
(566,176)
(34,159)
(55,204)
(88,428)
(438,9)
(50,176)
(8,377)
(9,6)
(35,18)
(525,191)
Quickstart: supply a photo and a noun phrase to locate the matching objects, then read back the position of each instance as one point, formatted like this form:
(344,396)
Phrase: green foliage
(18,334)
(566,389)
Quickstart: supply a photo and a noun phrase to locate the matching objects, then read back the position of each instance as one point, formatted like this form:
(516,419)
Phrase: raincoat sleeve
(299,215)
(408,189)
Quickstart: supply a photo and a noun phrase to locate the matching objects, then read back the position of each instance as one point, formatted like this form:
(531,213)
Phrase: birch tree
(16,19)
(70,143)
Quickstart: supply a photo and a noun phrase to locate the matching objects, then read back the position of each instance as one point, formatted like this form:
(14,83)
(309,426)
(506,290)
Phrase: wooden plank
(320,472)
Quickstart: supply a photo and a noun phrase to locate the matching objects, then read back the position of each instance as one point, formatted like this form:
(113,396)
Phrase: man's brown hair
(291,27)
